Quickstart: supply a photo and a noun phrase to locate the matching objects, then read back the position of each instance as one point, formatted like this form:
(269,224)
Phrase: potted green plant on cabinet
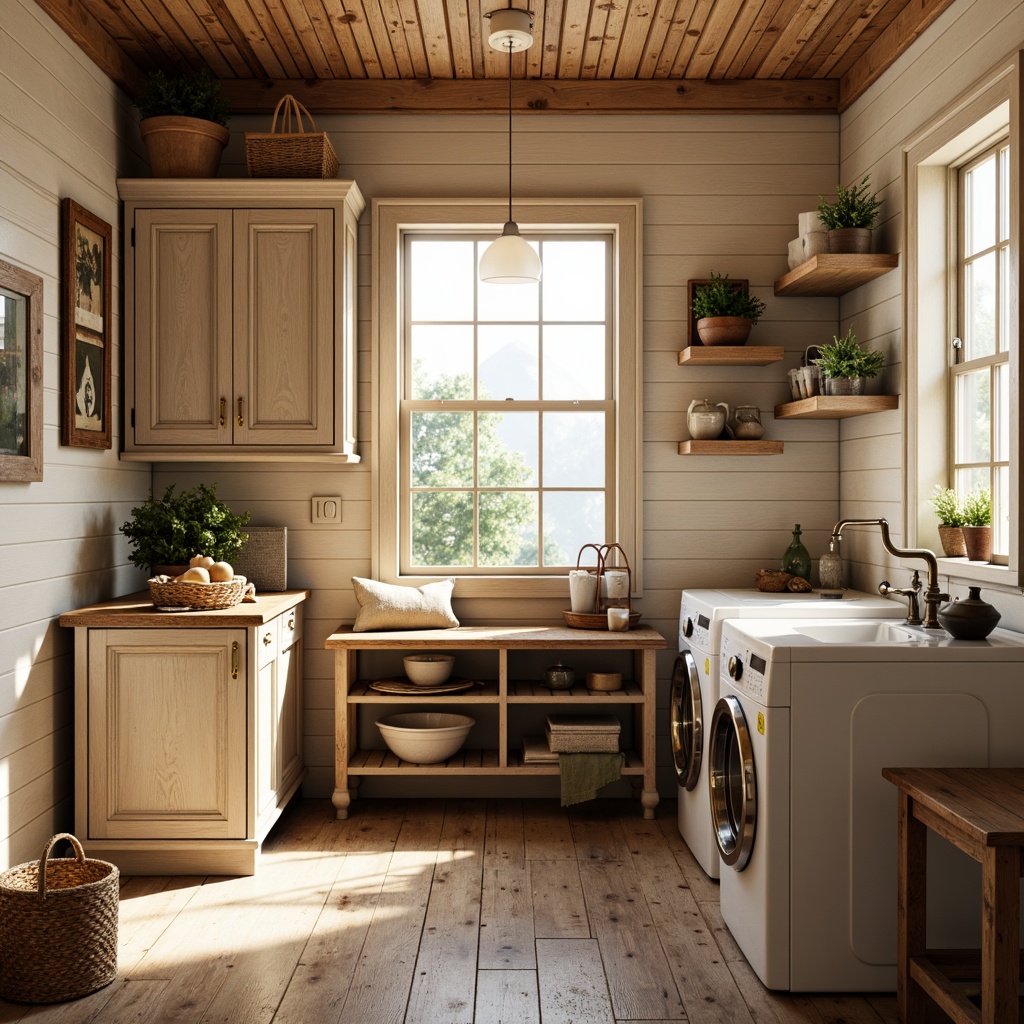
(183,122)
(951,520)
(724,311)
(849,218)
(977,528)
(166,532)
(846,365)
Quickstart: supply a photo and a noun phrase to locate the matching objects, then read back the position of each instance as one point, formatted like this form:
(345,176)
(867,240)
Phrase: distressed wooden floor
(445,912)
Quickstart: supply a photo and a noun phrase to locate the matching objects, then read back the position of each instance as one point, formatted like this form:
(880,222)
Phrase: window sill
(979,573)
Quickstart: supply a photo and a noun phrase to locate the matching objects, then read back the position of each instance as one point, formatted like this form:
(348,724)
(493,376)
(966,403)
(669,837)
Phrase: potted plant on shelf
(182,121)
(850,217)
(166,532)
(725,313)
(977,527)
(951,520)
(845,365)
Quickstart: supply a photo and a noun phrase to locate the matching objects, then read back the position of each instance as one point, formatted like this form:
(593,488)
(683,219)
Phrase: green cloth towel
(584,774)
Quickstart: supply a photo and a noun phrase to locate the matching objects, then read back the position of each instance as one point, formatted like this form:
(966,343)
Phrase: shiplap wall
(65,131)
(956,52)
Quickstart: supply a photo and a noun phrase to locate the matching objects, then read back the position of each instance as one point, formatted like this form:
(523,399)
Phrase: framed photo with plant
(86,323)
(693,338)
(21,374)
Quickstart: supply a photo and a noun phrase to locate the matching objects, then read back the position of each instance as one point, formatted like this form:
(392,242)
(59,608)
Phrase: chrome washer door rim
(686,721)
(732,783)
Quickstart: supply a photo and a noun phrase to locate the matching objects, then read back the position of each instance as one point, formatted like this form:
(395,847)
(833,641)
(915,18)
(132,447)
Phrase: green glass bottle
(796,561)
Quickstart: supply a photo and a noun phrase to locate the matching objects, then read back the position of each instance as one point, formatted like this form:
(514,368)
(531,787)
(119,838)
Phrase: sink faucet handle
(915,580)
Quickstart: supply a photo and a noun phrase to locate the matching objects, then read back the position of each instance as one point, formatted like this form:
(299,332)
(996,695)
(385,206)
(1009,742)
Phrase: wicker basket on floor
(290,153)
(58,926)
(199,597)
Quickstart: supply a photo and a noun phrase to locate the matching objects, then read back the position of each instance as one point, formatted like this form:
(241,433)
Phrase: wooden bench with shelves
(357,753)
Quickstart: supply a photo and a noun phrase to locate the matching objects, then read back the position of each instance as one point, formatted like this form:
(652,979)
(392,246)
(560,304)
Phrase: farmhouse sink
(858,632)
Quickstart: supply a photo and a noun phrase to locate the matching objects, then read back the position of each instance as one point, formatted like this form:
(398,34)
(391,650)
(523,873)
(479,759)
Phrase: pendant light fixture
(510,259)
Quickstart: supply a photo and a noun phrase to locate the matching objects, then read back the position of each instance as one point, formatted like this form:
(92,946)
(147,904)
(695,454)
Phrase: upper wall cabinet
(240,329)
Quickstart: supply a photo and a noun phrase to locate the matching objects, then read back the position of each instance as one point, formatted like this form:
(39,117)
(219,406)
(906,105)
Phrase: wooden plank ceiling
(372,56)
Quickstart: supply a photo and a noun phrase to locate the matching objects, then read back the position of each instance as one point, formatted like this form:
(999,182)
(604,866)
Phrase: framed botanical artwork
(21,374)
(692,337)
(86,319)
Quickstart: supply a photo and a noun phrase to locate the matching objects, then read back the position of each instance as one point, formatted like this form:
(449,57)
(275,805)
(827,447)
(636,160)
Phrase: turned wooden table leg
(912,889)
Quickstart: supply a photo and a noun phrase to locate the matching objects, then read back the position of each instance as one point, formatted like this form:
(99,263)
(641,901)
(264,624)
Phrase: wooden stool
(981,811)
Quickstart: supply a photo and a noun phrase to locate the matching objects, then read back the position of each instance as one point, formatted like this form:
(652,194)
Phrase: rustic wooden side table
(981,811)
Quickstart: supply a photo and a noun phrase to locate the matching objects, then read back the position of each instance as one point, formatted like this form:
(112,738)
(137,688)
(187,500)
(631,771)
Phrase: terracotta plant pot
(724,330)
(183,147)
(978,542)
(849,240)
(952,540)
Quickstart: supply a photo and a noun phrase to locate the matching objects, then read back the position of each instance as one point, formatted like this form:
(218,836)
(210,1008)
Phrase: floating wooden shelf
(730,355)
(835,407)
(834,273)
(730,447)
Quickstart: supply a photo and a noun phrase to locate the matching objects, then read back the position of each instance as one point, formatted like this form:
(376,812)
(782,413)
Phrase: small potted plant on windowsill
(725,313)
(850,217)
(845,365)
(951,520)
(977,528)
(183,122)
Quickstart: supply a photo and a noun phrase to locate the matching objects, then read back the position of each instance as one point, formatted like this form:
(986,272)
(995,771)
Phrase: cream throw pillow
(387,606)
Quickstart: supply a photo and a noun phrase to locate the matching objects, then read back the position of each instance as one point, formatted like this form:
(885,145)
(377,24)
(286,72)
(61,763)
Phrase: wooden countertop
(138,611)
(523,637)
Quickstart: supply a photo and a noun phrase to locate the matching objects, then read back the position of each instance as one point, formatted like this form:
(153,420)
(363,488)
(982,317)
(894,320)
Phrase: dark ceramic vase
(970,619)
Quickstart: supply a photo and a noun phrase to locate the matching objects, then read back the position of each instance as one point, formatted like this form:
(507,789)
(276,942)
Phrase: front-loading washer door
(732,783)
(686,721)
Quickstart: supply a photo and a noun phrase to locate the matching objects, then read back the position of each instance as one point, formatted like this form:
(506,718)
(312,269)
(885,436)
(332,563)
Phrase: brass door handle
(234,659)
(267,639)
(240,420)
(223,412)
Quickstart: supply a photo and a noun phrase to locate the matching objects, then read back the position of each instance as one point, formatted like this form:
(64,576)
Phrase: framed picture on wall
(86,320)
(693,338)
(21,374)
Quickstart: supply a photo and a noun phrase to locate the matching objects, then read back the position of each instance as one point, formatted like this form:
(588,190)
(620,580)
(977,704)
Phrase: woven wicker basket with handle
(291,152)
(58,926)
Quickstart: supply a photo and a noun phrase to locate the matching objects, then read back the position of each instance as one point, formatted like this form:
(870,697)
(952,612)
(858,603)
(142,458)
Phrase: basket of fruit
(203,586)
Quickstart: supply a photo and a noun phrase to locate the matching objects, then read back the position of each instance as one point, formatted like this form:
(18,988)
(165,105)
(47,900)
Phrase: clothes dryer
(694,690)
(809,713)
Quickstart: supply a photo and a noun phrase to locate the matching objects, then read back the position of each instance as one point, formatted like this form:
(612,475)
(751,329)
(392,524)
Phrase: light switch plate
(325,509)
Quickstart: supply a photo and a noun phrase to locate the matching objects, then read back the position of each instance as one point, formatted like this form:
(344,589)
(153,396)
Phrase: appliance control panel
(742,667)
(694,629)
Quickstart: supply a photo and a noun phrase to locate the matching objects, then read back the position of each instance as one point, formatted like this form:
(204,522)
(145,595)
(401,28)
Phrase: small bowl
(604,682)
(428,669)
(424,737)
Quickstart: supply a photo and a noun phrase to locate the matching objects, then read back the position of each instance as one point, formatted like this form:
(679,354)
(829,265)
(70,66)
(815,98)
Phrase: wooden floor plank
(639,978)
(505,843)
(507,997)
(559,909)
(572,985)
(597,832)
(546,831)
(506,921)
(772,1007)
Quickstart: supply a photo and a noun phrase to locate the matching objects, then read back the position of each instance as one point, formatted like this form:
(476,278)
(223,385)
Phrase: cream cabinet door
(183,328)
(167,733)
(284,327)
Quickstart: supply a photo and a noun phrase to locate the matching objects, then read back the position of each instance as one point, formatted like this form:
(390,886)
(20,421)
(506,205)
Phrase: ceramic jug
(746,424)
(705,420)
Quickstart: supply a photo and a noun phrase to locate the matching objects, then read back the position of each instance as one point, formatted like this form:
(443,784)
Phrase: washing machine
(808,715)
(694,690)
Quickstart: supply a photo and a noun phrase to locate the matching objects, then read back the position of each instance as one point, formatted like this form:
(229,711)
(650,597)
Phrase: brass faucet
(933,597)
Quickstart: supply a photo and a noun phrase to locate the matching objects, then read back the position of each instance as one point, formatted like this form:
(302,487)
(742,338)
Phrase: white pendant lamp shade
(510,259)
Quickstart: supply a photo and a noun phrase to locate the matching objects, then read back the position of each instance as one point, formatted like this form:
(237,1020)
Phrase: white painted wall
(65,131)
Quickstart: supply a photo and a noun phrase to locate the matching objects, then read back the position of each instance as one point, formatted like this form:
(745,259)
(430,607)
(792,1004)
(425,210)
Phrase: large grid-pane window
(507,412)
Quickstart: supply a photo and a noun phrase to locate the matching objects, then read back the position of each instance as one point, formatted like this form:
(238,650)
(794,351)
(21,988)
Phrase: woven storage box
(58,927)
(291,152)
(578,734)
(198,596)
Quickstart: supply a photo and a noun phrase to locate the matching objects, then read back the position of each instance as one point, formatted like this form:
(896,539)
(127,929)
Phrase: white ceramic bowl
(428,669)
(424,737)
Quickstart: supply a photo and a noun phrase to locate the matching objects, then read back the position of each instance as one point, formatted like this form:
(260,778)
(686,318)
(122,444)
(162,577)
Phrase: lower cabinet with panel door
(188,731)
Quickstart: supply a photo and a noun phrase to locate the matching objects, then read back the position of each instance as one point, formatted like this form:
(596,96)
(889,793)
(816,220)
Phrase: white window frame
(392,220)
(930,289)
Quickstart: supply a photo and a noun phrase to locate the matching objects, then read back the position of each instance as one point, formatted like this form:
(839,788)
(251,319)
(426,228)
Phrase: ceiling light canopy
(510,259)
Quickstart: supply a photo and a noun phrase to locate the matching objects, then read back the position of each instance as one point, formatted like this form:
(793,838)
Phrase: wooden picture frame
(21,374)
(692,337)
(86,321)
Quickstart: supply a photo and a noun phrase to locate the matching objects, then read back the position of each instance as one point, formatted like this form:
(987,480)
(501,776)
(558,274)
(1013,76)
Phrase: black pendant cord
(510,43)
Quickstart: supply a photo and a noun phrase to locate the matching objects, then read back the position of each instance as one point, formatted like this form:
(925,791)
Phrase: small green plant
(724,298)
(171,529)
(845,358)
(855,206)
(947,506)
(977,507)
(188,94)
